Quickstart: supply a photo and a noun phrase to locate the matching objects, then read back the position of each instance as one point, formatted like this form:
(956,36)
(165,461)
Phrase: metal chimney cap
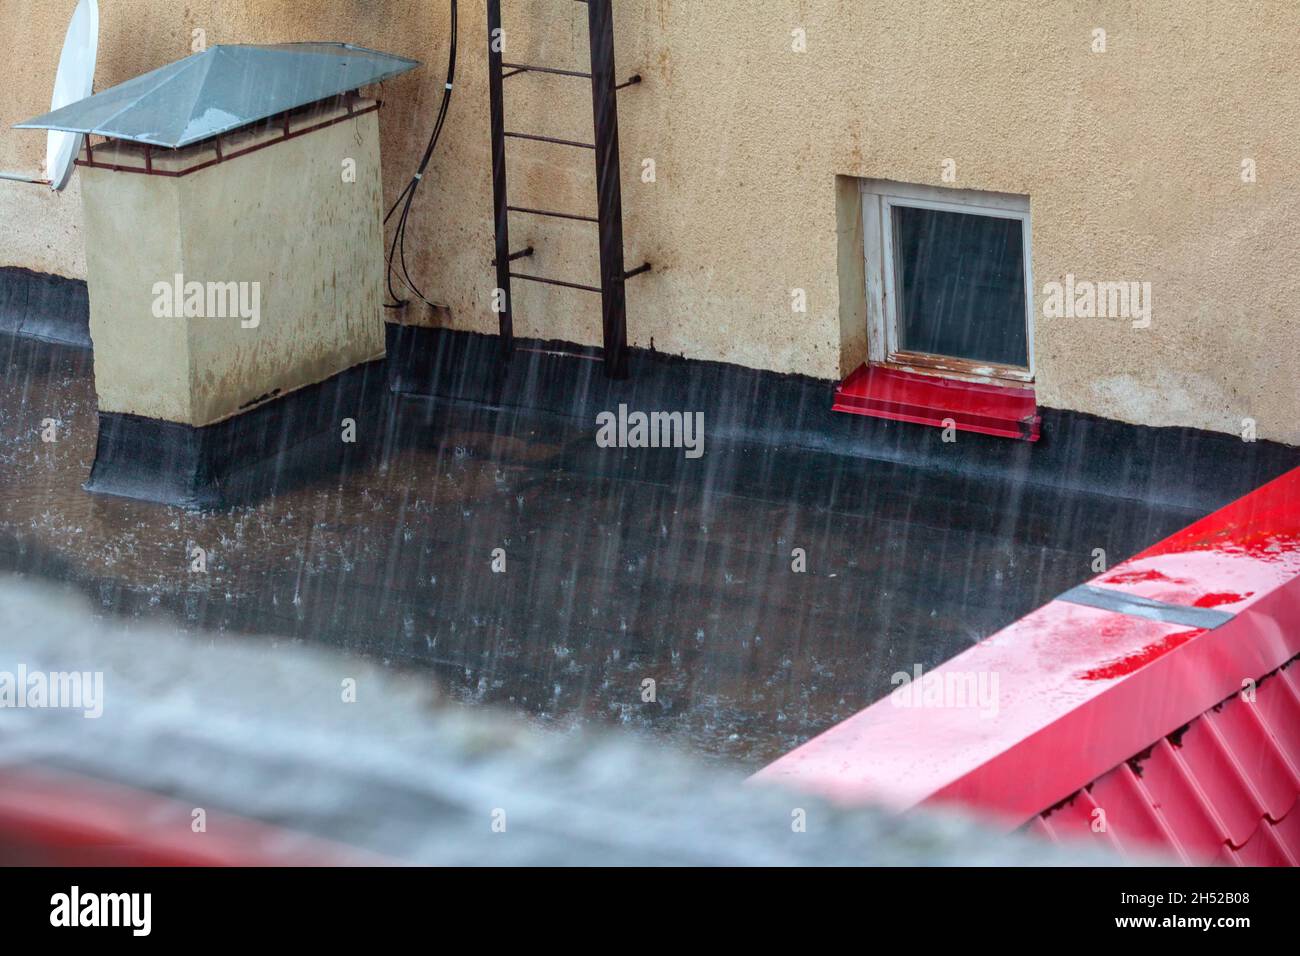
(221,89)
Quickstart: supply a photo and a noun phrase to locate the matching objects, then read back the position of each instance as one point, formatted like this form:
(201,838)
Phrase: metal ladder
(609,191)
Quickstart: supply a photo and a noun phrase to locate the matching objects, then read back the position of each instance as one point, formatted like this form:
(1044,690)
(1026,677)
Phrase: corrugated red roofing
(1121,696)
(1225,788)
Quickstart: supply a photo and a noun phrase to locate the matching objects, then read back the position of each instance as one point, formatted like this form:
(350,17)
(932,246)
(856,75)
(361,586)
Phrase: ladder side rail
(609,189)
(496,98)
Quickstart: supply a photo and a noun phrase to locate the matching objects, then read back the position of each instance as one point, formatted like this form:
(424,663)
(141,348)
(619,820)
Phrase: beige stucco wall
(314,290)
(142,362)
(1131,159)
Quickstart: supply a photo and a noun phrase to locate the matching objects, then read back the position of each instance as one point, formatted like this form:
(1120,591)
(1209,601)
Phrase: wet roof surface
(622,566)
(221,89)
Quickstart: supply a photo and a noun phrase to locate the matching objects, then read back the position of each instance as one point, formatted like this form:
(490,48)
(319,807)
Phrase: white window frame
(879,198)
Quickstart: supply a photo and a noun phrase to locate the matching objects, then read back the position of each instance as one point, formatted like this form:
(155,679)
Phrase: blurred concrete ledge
(261,738)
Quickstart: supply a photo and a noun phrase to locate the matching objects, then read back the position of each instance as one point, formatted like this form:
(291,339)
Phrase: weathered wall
(1132,159)
(309,305)
(142,363)
(321,292)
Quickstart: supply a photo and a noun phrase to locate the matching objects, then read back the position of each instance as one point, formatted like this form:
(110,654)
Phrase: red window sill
(878,392)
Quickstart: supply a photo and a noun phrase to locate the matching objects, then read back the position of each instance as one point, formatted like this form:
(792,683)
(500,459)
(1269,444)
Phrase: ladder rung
(644,267)
(560,282)
(521,254)
(553,215)
(515,68)
(550,139)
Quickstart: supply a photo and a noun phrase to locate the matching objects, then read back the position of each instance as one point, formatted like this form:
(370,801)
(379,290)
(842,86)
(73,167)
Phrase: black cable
(407,197)
(398,246)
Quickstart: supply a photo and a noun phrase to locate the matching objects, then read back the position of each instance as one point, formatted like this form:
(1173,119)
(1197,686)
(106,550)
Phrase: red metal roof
(1226,788)
(1121,694)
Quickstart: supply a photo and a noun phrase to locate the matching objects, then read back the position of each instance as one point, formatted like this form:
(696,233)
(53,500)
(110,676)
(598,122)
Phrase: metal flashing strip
(1003,410)
(1109,599)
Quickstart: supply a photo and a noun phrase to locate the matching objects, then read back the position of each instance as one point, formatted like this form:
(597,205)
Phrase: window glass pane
(961,285)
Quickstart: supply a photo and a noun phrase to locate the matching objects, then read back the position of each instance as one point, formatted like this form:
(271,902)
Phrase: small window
(948,281)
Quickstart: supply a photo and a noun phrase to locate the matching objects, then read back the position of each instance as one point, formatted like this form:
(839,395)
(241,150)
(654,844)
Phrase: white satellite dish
(73,82)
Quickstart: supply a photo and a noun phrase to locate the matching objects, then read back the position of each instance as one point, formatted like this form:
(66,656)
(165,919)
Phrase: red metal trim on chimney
(149,170)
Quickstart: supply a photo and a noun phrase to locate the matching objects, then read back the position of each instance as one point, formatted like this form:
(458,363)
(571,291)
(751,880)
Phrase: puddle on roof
(619,570)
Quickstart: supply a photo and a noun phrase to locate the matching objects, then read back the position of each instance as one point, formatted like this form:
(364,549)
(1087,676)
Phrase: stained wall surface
(1133,160)
(284,245)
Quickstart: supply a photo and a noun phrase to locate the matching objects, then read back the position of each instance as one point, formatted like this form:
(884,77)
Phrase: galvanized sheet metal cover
(222,89)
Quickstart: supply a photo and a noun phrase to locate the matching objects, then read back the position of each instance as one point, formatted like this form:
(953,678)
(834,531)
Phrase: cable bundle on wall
(397,249)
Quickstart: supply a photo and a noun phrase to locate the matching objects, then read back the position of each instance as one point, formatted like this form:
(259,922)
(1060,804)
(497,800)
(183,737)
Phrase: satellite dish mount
(74,81)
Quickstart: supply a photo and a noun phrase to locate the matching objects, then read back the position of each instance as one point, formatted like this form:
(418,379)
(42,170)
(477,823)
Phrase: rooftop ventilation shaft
(234,246)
